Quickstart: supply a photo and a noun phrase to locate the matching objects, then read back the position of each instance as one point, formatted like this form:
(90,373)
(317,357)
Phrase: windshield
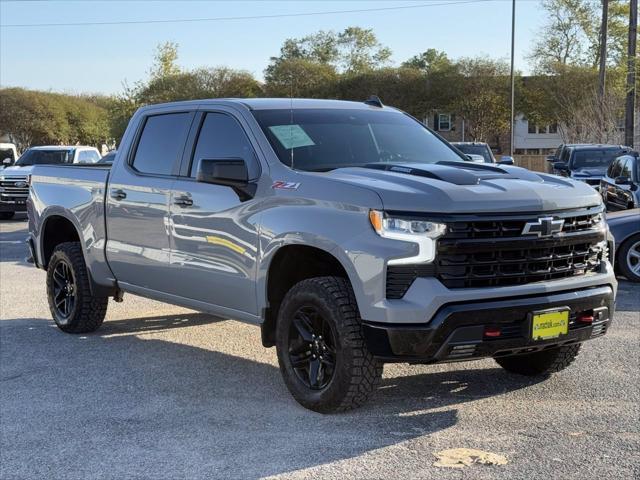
(476,150)
(324,139)
(593,158)
(45,157)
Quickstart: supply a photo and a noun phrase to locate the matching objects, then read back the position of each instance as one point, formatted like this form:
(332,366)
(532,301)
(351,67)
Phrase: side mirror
(7,161)
(560,166)
(230,172)
(622,181)
(551,158)
(506,160)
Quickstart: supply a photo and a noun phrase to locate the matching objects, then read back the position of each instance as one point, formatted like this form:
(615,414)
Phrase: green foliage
(165,60)
(430,61)
(39,118)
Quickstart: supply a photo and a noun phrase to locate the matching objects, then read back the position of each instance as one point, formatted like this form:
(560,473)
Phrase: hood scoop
(457,173)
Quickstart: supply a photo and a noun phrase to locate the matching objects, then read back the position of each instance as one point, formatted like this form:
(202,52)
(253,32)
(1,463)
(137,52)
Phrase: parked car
(620,187)
(349,231)
(14,180)
(483,149)
(588,163)
(8,154)
(625,227)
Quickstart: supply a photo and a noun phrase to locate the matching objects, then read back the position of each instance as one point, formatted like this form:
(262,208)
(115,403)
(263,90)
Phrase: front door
(214,230)
(138,202)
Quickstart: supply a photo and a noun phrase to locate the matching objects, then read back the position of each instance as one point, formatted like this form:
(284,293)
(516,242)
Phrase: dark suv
(620,187)
(588,163)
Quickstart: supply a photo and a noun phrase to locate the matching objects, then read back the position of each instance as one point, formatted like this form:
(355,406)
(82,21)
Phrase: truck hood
(465,187)
(589,172)
(17,170)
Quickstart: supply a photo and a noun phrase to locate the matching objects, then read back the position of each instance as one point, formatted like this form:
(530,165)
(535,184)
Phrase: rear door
(138,200)
(214,234)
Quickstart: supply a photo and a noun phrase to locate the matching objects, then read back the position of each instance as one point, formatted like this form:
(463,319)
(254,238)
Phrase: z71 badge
(285,185)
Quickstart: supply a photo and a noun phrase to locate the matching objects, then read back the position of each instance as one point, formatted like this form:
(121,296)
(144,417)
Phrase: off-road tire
(542,363)
(356,373)
(89,310)
(7,215)
(622,263)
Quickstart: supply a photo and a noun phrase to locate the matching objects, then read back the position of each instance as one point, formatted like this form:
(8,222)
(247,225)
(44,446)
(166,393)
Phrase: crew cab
(14,180)
(620,187)
(350,232)
(588,163)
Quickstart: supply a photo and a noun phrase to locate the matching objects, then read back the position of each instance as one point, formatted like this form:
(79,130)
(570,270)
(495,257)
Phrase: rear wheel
(629,258)
(321,350)
(541,363)
(73,307)
(7,215)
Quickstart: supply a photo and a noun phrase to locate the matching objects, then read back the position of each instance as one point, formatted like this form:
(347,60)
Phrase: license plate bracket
(549,324)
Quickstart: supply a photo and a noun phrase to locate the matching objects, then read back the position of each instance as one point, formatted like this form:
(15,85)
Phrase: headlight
(421,232)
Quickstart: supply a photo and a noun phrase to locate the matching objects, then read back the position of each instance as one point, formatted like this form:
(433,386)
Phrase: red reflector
(585,318)
(492,332)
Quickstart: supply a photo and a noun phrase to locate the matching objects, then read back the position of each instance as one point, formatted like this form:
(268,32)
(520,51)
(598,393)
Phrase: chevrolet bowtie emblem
(544,227)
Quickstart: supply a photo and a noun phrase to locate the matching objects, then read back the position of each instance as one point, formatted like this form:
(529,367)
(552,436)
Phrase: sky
(98,58)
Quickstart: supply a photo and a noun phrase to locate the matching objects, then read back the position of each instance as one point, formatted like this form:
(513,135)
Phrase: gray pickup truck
(351,233)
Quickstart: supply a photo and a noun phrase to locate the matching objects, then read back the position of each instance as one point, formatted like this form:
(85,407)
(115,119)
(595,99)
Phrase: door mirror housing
(506,160)
(622,181)
(560,166)
(230,172)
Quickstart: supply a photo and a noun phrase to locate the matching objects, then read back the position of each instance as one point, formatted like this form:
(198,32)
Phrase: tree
(300,77)
(429,62)
(571,35)
(482,92)
(354,50)
(165,60)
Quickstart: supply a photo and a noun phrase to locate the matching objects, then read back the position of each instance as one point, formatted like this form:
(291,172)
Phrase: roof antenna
(374,101)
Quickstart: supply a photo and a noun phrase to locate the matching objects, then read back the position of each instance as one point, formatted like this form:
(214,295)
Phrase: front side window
(324,139)
(161,143)
(626,167)
(615,168)
(221,137)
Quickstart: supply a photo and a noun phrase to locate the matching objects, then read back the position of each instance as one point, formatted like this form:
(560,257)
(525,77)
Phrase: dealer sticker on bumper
(547,325)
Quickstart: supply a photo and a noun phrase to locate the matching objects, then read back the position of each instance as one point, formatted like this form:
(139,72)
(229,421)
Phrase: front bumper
(457,331)
(13,206)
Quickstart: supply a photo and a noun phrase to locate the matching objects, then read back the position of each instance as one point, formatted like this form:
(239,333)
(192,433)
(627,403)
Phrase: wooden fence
(537,163)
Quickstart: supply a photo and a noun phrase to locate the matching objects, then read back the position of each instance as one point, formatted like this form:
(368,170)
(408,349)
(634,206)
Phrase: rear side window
(161,143)
(221,137)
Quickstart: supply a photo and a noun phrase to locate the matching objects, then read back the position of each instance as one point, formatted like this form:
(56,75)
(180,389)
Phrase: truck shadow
(154,408)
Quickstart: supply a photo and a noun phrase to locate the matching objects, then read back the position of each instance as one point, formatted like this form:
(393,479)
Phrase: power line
(249,17)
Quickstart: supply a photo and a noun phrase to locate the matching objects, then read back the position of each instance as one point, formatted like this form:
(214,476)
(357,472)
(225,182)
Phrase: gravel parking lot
(163,392)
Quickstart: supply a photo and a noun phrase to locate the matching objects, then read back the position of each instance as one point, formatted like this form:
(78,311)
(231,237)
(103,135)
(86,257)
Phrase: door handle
(183,201)
(118,194)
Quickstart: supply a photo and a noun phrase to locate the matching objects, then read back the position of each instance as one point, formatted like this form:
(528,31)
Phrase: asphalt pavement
(162,392)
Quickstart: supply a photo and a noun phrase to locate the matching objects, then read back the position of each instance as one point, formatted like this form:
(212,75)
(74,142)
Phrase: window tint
(161,143)
(614,169)
(222,137)
(626,167)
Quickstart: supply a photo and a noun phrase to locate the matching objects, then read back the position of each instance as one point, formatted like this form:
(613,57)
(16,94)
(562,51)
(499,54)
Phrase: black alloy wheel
(64,290)
(312,348)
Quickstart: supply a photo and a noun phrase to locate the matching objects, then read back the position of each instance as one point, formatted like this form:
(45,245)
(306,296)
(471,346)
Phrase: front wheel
(629,258)
(322,354)
(73,307)
(541,363)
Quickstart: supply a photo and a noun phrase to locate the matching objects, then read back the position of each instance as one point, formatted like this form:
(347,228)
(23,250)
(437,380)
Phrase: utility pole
(513,79)
(603,51)
(632,64)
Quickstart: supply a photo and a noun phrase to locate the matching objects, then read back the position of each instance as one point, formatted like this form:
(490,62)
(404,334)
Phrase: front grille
(482,252)
(9,187)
